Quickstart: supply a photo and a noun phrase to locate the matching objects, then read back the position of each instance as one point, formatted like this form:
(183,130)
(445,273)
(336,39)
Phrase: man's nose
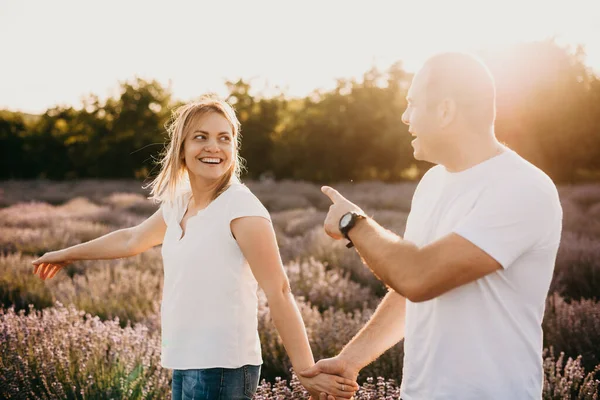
(405,117)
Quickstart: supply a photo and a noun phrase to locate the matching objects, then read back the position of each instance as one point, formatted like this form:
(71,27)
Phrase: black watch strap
(355,217)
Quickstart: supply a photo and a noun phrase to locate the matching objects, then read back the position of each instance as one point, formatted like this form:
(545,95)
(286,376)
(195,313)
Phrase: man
(468,281)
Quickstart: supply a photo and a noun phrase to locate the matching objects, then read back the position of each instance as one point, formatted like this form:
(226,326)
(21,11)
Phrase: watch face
(346,220)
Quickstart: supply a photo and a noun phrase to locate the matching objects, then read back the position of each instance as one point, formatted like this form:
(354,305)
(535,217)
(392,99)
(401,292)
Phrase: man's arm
(419,274)
(384,329)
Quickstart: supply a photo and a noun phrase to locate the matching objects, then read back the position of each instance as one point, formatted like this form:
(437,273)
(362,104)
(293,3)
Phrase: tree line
(548,111)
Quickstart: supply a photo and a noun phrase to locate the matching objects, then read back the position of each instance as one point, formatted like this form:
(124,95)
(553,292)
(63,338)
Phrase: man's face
(421,119)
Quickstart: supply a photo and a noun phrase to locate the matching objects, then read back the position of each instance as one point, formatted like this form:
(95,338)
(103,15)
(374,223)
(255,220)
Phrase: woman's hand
(50,263)
(333,385)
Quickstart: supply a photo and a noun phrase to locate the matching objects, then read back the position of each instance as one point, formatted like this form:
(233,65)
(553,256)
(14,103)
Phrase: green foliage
(116,139)
(260,119)
(354,132)
(12,132)
(548,111)
(549,107)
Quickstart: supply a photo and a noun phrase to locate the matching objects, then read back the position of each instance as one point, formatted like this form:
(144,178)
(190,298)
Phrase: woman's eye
(225,138)
(199,136)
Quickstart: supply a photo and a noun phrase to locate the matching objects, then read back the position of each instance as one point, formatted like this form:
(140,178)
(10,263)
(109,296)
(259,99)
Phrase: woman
(218,245)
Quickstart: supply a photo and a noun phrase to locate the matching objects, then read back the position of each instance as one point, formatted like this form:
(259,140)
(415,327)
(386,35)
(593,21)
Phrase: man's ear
(446,111)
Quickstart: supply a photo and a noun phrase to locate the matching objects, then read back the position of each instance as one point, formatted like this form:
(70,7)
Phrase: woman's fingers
(47,270)
(44,270)
(37,267)
(54,271)
(40,268)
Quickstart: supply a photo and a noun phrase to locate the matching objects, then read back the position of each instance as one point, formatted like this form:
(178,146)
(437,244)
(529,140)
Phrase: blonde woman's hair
(173,177)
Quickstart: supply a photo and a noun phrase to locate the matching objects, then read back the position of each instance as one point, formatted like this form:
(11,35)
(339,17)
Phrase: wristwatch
(347,222)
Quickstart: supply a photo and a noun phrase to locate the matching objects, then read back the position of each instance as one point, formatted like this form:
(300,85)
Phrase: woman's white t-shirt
(209,303)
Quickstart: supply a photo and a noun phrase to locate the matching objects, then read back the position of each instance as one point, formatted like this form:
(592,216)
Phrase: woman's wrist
(301,367)
(68,254)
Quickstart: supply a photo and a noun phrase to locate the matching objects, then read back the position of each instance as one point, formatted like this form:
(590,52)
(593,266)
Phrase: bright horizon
(56,53)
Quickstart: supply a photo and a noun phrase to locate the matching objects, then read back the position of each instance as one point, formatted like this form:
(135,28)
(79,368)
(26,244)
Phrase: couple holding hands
(467,282)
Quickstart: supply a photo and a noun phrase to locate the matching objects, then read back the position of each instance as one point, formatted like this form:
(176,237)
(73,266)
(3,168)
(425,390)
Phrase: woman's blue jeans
(215,383)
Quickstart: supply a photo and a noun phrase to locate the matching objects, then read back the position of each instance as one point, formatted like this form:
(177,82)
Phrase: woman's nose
(211,146)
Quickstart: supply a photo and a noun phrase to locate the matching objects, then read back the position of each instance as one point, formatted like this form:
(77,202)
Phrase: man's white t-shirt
(209,304)
(483,340)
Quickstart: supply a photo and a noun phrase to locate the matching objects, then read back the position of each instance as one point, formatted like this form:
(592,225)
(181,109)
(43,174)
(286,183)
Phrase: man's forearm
(392,259)
(384,329)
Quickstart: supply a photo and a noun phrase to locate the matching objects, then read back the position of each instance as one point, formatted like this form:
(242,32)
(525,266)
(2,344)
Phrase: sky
(57,52)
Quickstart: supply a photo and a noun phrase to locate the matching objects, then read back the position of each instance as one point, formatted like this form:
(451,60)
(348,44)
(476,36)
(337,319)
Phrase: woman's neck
(202,194)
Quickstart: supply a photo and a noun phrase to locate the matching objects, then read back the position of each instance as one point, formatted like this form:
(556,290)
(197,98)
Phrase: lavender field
(93,331)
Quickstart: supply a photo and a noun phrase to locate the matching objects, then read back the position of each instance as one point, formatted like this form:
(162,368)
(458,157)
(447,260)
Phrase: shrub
(568,380)
(107,288)
(63,353)
(19,287)
(328,288)
(573,329)
(334,253)
(577,270)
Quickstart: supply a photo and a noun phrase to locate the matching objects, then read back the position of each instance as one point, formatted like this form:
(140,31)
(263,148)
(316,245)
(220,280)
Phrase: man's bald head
(465,79)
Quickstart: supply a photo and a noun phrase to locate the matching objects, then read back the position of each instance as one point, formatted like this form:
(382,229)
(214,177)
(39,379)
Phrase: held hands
(330,367)
(328,386)
(50,263)
(340,206)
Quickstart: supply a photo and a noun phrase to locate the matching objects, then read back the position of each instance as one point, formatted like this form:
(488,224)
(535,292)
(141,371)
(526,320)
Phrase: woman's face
(209,147)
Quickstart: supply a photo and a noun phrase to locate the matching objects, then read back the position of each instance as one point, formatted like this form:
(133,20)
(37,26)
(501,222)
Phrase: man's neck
(471,153)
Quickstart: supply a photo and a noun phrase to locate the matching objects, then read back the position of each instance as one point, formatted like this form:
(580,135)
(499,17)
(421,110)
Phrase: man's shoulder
(524,189)
(523,177)
(430,179)
(433,172)
(432,176)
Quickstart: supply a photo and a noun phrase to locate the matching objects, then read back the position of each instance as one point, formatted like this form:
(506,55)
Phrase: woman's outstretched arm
(118,244)
(257,241)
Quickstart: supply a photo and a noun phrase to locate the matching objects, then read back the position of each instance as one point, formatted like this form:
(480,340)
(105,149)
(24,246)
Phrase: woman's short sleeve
(244,203)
